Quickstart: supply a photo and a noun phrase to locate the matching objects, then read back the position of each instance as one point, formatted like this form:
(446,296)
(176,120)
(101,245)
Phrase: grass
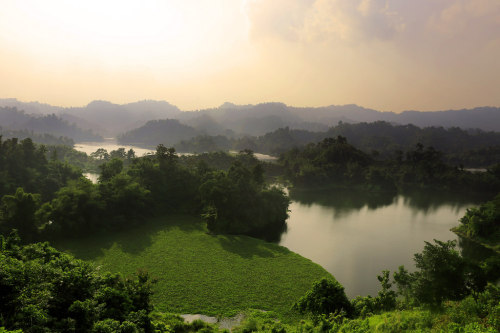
(202,273)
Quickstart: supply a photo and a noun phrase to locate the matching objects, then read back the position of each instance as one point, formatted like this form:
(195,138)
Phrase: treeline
(46,139)
(44,199)
(15,120)
(471,148)
(23,164)
(335,162)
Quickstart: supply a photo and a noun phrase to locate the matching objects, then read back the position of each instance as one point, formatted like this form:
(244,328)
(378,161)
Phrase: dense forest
(50,198)
(335,162)
(46,197)
(469,148)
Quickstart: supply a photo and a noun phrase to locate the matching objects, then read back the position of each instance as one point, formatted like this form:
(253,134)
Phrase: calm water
(109,144)
(356,235)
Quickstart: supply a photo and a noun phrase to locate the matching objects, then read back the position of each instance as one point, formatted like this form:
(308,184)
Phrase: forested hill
(112,119)
(102,117)
(12,119)
(472,148)
(167,132)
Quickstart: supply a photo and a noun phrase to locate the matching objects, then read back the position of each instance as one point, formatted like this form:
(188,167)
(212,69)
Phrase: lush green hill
(202,273)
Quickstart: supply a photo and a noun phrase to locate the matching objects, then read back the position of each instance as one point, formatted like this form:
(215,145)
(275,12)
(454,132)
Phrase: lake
(111,144)
(356,235)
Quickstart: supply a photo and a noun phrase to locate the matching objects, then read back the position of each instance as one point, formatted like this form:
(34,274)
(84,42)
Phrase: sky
(390,55)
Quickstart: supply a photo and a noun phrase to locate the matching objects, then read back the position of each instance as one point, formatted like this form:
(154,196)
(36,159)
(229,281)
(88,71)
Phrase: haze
(382,54)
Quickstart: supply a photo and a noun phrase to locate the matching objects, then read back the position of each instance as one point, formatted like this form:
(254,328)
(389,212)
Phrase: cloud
(365,20)
(283,19)
(385,53)
(477,20)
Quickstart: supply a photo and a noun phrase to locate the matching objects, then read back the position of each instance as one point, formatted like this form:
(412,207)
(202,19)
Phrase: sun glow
(153,34)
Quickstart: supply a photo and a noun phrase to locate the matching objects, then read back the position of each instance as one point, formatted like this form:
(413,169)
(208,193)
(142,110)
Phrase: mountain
(103,117)
(30,107)
(234,120)
(485,118)
(113,119)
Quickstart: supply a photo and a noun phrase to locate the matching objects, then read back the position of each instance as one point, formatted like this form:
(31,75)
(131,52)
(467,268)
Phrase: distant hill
(11,119)
(154,132)
(239,120)
(263,118)
(471,148)
(46,139)
(30,107)
(103,117)
(112,119)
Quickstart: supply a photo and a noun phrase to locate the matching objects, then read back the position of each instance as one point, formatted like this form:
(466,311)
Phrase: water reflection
(343,201)
(356,235)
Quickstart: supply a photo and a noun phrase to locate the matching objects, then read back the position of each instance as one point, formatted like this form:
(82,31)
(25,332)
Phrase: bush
(326,296)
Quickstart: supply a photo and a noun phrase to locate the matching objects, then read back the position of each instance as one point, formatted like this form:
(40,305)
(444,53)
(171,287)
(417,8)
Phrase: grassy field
(202,273)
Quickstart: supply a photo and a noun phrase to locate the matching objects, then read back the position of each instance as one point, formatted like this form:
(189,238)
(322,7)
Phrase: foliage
(44,290)
(332,161)
(472,148)
(335,162)
(18,212)
(238,202)
(168,323)
(483,223)
(385,300)
(442,275)
(326,296)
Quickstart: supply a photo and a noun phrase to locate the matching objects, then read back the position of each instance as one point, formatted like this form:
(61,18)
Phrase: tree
(326,296)
(110,169)
(44,290)
(18,212)
(442,275)
(238,202)
(100,154)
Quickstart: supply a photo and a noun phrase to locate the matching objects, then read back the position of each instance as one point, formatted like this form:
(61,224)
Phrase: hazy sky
(389,55)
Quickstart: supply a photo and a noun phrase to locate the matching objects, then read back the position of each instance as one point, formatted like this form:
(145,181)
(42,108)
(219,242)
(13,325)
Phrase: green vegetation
(144,214)
(471,148)
(336,163)
(326,296)
(44,290)
(23,164)
(239,202)
(61,201)
(482,224)
(202,273)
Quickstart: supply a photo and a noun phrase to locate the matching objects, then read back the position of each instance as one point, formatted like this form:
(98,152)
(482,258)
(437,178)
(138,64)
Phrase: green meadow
(198,272)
